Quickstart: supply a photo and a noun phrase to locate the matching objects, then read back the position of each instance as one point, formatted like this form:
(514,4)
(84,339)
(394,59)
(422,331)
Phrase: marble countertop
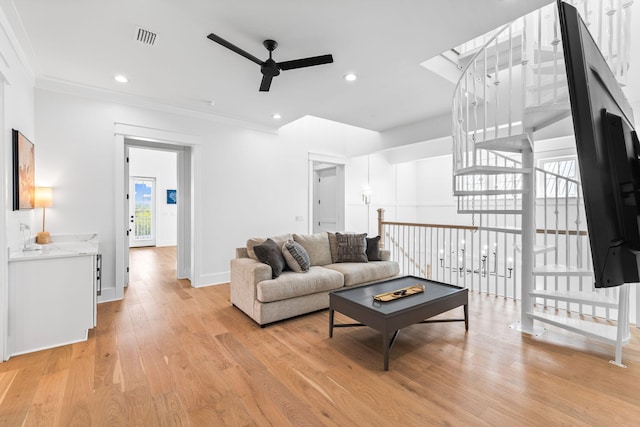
(61,246)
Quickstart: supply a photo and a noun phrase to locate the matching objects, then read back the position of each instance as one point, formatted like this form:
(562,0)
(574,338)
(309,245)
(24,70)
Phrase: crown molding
(99,94)
(13,50)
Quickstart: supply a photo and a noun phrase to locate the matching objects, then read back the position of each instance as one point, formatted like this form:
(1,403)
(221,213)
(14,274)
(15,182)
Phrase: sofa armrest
(242,252)
(246,273)
(385,254)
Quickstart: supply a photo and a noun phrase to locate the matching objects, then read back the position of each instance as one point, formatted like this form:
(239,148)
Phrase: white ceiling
(84,43)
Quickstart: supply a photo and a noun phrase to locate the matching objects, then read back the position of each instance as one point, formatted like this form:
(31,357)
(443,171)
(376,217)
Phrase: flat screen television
(608,154)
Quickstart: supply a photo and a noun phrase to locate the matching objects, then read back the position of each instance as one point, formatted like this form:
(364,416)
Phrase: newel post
(380,220)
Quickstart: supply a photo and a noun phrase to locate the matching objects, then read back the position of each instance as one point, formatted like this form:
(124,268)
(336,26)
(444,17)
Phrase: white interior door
(142,202)
(325,215)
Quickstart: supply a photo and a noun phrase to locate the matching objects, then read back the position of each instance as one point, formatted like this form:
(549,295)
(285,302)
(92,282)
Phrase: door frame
(315,159)
(189,243)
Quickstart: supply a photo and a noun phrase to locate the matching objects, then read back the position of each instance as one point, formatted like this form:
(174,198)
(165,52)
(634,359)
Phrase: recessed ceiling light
(120,78)
(351,77)
(277,116)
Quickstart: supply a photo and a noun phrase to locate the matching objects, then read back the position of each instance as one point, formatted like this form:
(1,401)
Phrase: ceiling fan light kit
(270,68)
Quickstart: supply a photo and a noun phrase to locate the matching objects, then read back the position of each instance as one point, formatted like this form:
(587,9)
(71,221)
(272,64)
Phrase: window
(554,183)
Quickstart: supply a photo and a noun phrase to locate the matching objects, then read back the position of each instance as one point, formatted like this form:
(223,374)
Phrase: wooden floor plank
(172,355)
(47,402)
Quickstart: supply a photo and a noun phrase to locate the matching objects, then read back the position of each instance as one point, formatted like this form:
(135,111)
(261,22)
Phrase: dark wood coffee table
(391,316)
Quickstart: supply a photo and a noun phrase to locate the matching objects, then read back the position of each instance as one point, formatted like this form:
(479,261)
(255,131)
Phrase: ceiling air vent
(145,36)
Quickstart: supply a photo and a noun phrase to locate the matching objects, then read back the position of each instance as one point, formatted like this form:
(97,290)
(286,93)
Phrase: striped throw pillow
(296,256)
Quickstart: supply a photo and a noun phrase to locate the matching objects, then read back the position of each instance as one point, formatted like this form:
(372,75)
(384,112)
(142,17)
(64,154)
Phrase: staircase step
(599,331)
(541,116)
(548,81)
(560,270)
(490,170)
(546,55)
(505,229)
(591,298)
(549,67)
(512,144)
(541,249)
(487,192)
(548,96)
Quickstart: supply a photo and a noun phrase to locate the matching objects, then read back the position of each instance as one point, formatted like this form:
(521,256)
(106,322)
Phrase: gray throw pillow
(373,248)
(333,246)
(352,247)
(296,257)
(254,241)
(270,253)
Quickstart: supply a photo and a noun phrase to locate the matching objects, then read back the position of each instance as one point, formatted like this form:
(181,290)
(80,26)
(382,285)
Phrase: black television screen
(608,154)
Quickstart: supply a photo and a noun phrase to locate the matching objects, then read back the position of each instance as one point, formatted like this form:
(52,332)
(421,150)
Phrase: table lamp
(44,200)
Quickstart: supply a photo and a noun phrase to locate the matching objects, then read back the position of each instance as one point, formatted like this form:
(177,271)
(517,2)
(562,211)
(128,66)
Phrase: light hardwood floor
(171,355)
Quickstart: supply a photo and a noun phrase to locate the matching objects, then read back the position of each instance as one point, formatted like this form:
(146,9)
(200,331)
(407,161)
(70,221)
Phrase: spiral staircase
(511,90)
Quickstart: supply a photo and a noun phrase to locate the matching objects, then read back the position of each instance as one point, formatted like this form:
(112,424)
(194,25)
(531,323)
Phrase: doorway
(142,211)
(327,193)
(186,148)
(152,168)
(325,206)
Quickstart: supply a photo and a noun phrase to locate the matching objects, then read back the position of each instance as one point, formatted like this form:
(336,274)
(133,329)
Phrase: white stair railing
(480,260)
(511,87)
(609,22)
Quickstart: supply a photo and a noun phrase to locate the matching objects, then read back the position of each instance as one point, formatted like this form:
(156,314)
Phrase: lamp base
(43,238)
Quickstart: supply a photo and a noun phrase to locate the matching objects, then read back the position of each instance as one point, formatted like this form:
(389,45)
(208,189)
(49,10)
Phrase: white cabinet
(52,296)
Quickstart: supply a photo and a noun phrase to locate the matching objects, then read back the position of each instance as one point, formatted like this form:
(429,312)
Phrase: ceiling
(85,43)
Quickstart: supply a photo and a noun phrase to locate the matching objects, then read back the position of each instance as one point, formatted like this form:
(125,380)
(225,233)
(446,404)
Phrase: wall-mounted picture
(172,197)
(23,172)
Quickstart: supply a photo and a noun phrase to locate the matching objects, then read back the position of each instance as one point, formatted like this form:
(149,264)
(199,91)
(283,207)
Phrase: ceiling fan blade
(266,83)
(305,62)
(234,48)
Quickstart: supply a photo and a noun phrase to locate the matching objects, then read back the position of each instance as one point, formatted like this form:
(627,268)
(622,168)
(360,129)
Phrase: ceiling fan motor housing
(270,68)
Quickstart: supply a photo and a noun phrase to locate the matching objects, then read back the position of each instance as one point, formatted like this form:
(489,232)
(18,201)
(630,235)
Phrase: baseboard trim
(212,279)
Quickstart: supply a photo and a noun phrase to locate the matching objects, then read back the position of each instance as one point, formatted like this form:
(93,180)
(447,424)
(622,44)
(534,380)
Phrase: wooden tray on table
(399,293)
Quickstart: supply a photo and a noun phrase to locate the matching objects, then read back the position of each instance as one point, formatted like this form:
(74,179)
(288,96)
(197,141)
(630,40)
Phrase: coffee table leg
(331,323)
(466,317)
(385,350)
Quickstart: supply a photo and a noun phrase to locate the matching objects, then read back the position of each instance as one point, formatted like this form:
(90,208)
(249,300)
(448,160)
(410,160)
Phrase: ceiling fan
(271,68)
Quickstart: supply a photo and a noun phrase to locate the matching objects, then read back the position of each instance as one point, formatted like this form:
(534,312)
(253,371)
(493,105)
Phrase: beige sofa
(266,299)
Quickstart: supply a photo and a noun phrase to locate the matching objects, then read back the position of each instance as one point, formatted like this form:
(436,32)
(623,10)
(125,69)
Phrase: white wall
(418,190)
(161,165)
(252,183)
(16,112)
(393,188)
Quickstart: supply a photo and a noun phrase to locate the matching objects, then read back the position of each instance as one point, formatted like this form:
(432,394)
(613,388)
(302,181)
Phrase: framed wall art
(172,197)
(23,172)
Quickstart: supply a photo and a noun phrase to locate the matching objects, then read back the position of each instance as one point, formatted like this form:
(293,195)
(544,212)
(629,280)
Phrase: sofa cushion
(290,284)
(251,243)
(352,247)
(317,246)
(270,253)
(356,273)
(373,248)
(296,256)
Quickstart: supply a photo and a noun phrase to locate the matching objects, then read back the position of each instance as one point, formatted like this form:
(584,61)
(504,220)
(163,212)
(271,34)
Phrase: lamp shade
(44,197)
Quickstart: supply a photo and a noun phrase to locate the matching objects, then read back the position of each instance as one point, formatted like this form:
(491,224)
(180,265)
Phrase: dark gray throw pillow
(373,248)
(352,247)
(270,253)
